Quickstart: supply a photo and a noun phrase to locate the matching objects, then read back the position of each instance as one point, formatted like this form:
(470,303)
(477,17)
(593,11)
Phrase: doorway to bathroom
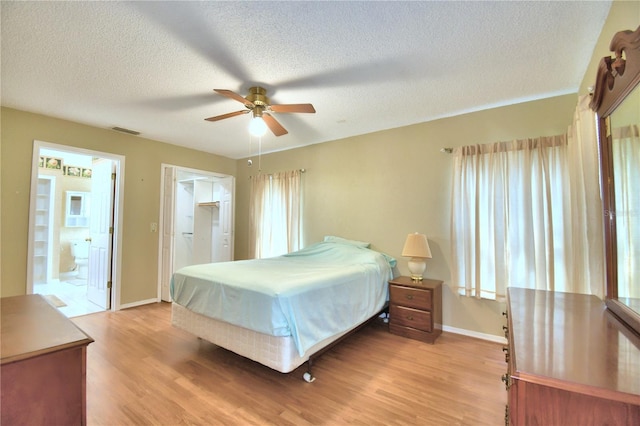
(73,233)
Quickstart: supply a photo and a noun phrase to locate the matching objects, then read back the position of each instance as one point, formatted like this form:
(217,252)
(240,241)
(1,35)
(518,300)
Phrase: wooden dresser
(415,308)
(43,367)
(570,362)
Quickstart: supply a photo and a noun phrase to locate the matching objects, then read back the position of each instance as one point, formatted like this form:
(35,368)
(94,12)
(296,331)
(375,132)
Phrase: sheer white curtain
(626,157)
(586,264)
(275,214)
(527,213)
(507,221)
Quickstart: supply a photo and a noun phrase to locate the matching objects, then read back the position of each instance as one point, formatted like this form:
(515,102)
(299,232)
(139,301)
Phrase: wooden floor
(141,370)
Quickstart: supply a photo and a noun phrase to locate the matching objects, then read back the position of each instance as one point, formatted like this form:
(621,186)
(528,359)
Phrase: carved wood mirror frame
(617,77)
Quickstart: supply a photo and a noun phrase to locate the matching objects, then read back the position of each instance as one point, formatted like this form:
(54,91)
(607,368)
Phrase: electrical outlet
(154,227)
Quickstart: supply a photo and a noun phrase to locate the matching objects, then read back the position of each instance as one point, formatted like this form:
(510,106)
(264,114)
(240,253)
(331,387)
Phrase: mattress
(276,352)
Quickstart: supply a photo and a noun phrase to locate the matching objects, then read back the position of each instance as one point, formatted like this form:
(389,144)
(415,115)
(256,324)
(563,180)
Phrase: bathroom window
(77,209)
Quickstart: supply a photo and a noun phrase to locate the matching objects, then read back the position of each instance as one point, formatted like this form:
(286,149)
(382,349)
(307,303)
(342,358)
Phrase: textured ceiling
(365,66)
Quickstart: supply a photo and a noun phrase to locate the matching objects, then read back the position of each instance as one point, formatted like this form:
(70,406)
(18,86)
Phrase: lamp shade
(416,245)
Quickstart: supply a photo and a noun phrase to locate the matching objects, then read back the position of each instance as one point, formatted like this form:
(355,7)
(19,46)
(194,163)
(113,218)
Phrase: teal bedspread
(317,292)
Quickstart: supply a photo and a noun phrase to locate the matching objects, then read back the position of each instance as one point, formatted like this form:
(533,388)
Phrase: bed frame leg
(308,377)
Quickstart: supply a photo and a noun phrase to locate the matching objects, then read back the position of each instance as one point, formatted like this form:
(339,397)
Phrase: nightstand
(415,308)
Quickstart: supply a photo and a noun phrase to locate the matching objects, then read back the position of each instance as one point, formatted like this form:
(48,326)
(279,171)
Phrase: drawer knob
(410,296)
(410,317)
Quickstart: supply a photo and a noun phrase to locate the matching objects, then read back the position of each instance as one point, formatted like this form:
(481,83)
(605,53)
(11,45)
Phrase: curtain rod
(271,174)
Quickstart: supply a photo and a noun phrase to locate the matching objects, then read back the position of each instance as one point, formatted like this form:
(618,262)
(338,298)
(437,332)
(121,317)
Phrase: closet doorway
(75,208)
(196,221)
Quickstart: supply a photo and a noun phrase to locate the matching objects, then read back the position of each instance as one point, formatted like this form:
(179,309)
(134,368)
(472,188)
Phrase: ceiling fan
(258,103)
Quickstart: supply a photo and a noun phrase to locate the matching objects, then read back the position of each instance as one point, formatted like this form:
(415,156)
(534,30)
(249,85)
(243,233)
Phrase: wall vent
(123,130)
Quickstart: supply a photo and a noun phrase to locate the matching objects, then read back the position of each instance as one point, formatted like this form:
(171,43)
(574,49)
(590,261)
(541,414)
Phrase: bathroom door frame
(118,213)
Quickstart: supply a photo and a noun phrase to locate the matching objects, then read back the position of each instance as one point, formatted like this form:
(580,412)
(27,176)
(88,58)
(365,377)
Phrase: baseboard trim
(138,303)
(477,335)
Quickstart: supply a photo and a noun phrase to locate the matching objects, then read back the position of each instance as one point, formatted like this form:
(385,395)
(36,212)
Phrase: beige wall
(143,158)
(381,186)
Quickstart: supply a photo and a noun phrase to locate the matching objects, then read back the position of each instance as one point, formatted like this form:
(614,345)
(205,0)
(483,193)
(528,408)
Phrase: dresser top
(29,326)
(573,339)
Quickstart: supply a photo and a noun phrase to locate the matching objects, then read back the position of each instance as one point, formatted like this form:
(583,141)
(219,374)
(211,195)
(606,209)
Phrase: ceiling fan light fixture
(257,127)
(258,103)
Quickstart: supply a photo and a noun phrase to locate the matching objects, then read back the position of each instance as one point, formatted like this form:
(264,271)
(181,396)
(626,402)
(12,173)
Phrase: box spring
(278,353)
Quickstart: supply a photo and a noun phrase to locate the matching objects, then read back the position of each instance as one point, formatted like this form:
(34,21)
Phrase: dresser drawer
(412,297)
(409,317)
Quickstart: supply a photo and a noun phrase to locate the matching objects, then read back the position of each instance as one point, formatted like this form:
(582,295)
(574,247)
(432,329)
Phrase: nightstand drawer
(409,317)
(412,297)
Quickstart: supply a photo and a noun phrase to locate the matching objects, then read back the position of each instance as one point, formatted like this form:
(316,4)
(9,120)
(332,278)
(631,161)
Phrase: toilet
(80,252)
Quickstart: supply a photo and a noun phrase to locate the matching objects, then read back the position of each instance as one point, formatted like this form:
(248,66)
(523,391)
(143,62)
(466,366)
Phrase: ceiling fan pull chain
(259,155)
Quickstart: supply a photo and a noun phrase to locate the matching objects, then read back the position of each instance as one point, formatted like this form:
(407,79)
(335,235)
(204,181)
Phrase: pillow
(333,239)
(392,261)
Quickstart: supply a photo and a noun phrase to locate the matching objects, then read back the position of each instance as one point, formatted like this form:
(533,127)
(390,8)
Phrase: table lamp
(417,248)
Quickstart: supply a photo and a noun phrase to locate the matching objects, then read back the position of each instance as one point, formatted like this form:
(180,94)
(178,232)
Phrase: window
(275,214)
(528,214)
(509,217)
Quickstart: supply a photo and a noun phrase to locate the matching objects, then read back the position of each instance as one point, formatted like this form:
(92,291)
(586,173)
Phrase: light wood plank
(141,370)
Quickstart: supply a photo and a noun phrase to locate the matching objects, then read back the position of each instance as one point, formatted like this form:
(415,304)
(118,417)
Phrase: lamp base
(417,267)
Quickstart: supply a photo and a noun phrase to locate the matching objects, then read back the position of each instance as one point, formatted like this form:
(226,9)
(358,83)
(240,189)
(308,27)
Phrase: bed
(285,310)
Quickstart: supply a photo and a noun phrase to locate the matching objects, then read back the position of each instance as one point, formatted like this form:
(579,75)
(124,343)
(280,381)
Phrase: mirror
(616,99)
(77,209)
(625,149)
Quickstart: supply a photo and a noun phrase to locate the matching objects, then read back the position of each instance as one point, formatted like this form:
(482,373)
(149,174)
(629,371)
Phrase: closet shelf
(210,204)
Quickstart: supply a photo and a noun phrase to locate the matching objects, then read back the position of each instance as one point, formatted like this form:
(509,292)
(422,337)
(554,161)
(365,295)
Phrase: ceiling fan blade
(228,115)
(234,96)
(308,108)
(273,125)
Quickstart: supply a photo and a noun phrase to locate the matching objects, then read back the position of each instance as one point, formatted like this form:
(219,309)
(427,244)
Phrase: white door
(101,230)
(226,218)
(168,207)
